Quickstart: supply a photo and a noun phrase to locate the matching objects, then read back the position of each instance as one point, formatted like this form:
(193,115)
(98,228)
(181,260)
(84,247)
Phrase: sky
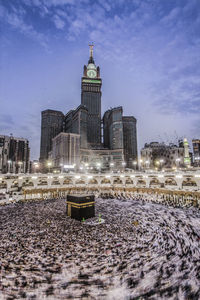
(148,52)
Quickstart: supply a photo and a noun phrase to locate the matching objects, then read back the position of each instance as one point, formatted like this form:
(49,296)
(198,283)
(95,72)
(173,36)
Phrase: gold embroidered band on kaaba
(80,204)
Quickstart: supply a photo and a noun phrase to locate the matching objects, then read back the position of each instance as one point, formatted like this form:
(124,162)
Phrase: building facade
(14,154)
(159,155)
(113,128)
(85,121)
(196,152)
(91,99)
(129,140)
(65,149)
(51,125)
(76,121)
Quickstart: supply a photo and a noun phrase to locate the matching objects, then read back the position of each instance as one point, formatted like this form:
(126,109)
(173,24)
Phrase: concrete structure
(102,159)
(187,159)
(76,121)
(52,185)
(14,154)
(65,150)
(86,122)
(196,152)
(91,98)
(51,125)
(113,128)
(159,155)
(129,140)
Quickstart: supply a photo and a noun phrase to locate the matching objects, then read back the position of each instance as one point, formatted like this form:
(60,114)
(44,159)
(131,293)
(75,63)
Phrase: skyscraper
(129,140)
(14,154)
(76,122)
(196,152)
(85,121)
(113,128)
(91,98)
(51,125)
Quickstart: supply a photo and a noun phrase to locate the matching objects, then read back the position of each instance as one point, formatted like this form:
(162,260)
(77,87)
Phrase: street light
(9,165)
(61,167)
(135,163)
(20,165)
(36,166)
(49,164)
(161,163)
(147,163)
(178,161)
(98,164)
(157,162)
(124,164)
(141,161)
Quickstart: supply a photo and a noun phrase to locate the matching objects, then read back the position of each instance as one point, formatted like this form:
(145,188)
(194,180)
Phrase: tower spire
(91,60)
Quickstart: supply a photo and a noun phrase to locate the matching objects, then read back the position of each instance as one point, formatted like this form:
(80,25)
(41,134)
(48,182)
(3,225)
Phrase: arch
(55,181)
(189,182)
(117,180)
(170,181)
(67,180)
(27,182)
(42,181)
(93,181)
(129,181)
(154,181)
(80,181)
(141,182)
(105,181)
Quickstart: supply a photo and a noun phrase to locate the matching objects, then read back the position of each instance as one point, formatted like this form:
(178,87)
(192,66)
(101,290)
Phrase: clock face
(91,73)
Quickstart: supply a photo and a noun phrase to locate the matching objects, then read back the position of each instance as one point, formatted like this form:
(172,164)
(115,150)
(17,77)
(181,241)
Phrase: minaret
(91,98)
(187,160)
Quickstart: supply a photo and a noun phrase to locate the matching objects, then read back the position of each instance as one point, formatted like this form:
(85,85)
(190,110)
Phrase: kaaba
(80,207)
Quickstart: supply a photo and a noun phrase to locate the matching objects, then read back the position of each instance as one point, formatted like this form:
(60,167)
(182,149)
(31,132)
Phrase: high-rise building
(76,122)
(51,125)
(129,140)
(65,149)
(113,128)
(14,154)
(113,134)
(196,152)
(91,98)
(85,121)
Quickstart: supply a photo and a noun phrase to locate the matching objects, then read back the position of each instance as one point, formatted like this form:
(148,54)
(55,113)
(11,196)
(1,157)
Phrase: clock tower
(91,98)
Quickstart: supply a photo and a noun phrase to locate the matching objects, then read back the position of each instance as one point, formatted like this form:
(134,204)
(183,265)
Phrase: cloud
(151,48)
(59,23)
(15,18)
(6,122)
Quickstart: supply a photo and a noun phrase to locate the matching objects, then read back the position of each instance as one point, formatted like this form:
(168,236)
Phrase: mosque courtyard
(142,250)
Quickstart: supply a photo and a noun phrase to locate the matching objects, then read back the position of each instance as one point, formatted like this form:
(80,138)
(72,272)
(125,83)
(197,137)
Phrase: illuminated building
(160,155)
(65,149)
(14,154)
(91,98)
(51,125)
(119,132)
(187,160)
(129,140)
(196,152)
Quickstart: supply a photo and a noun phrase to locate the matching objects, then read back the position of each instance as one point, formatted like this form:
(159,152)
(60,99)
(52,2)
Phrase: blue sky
(148,52)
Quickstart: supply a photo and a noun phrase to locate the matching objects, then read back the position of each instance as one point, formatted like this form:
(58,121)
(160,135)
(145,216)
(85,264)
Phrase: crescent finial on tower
(91,60)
